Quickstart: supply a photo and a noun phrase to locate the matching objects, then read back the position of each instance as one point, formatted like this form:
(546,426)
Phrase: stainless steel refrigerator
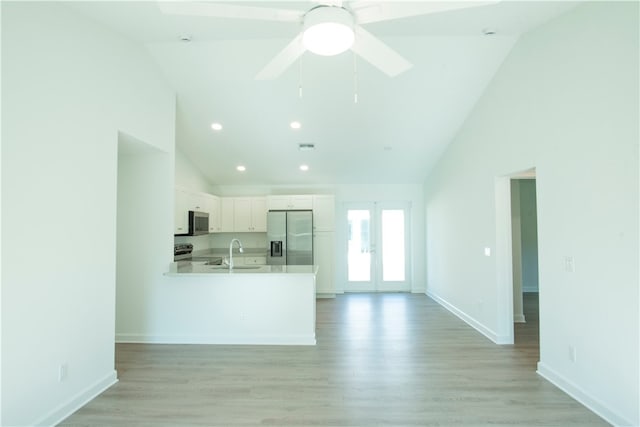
(290,237)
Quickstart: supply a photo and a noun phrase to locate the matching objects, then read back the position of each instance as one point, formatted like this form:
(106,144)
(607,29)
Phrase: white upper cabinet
(227,213)
(248,214)
(289,202)
(324,213)
(180,216)
(185,201)
(242,219)
(212,206)
(259,214)
(244,214)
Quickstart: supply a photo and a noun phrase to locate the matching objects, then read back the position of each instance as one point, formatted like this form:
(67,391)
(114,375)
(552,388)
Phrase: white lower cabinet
(254,260)
(323,257)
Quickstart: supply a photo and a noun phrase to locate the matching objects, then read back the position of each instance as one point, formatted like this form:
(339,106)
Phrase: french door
(378,247)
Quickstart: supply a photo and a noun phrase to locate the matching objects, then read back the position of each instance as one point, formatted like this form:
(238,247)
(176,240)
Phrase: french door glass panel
(373,225)
(359,245)
(393,242)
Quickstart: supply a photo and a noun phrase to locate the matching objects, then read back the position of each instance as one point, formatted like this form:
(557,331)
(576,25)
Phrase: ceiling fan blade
(368,12)
(222,10)
(282,60)
(379,54)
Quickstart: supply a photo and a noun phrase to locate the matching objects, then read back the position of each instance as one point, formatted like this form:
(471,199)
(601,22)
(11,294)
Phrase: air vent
(306,147)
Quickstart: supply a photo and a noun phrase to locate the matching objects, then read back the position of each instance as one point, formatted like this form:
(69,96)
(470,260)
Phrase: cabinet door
(227,214)
(259,214)
(324,213)
(196,201)
(301,202)
(242,214)
(217,215)
(212,206)
(180,215)
(323,257)
(282,203)
(278,203)
(255,260)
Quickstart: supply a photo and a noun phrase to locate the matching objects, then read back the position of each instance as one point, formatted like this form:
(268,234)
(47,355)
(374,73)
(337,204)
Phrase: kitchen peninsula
(266,304)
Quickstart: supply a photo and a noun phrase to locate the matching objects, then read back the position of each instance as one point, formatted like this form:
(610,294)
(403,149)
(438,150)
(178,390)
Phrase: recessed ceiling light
(216,126)
(185,38)
(304,168)
(241,168)
(295,125)
(488,32)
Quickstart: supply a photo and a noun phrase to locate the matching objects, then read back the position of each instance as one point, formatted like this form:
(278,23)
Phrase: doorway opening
(524,232)
(143,227)
(517,255)
(378,247)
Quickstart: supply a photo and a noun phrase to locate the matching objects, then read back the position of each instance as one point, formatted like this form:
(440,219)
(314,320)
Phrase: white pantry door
(377,247)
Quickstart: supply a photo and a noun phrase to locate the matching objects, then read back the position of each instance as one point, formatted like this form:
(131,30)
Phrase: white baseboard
(582,396)
(519,318)
(63,411)
(498,339)
(235,340)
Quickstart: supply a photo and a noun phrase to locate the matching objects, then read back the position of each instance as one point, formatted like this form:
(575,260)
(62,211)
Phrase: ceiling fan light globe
(328,30)
(328,39)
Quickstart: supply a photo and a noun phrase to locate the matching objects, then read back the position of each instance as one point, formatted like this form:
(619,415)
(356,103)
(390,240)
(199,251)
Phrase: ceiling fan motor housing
(328,30)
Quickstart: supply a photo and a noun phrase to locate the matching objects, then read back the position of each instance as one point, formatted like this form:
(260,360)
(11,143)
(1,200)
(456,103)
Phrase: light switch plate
(569,264)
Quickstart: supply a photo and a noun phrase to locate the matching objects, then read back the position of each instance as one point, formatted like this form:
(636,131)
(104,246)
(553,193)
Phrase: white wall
(68,87)
(189,176)
(565,102)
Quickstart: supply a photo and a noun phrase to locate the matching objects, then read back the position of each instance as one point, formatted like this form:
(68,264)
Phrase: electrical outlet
(63,372)
(487,251)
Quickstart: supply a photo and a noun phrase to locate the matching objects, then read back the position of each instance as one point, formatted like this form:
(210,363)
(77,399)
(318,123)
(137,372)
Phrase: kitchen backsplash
(199,242)
(222,240)
(249,240)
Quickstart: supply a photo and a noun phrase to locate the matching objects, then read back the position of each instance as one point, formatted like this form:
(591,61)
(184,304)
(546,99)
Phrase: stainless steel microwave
(198,223)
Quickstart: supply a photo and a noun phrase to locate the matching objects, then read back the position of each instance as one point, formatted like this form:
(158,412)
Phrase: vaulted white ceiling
(393,134)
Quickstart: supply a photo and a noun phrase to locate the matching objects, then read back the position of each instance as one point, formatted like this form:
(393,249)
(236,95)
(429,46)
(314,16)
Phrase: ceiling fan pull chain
(355,79)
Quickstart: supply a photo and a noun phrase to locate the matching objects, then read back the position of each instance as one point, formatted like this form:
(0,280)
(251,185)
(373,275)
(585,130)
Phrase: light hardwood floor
(381,359)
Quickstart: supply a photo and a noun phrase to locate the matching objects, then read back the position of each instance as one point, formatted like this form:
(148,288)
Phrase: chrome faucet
(231,251)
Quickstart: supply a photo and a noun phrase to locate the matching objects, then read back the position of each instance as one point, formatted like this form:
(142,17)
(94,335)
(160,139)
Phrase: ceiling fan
(330,28)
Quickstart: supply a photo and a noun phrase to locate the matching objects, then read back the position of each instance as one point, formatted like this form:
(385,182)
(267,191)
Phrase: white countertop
(196,268)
